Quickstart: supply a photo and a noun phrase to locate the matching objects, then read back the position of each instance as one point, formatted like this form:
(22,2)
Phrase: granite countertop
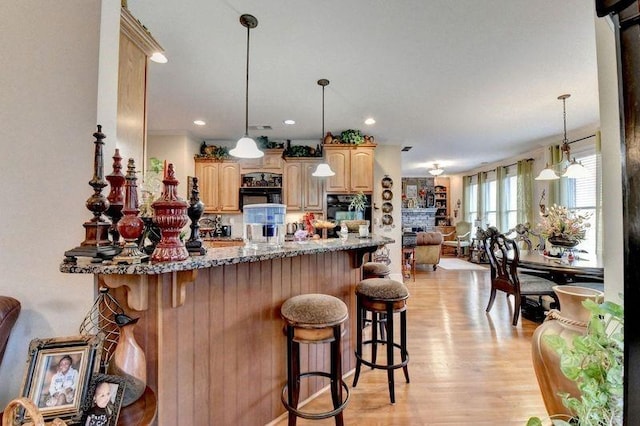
(225,256)
(221,239)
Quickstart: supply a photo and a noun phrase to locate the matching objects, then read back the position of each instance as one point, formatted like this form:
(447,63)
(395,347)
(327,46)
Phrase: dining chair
(504,256)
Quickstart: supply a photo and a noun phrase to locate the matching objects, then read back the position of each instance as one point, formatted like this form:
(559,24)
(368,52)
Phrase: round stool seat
(382,289)
(375,269)
(313,316)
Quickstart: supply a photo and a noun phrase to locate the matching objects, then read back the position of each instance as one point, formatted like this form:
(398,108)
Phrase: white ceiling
(462,82)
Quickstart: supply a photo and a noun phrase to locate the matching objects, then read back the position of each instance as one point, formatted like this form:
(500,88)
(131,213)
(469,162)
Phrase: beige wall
(388,162)
(48,110)
(176,149)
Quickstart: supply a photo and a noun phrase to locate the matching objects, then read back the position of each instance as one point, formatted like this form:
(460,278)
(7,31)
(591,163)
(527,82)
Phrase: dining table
(584,266)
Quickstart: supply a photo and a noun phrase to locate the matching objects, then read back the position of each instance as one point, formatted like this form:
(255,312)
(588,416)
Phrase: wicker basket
(32,411)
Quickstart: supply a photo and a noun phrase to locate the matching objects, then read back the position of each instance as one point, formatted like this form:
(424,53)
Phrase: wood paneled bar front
(211,329)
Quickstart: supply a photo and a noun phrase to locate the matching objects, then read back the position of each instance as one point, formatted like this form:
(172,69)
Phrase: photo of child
(103,405)
(102,409)
(60,389)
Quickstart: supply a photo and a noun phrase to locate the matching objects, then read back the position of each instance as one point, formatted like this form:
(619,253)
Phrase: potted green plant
(351,136)
(358,203)
(595,363)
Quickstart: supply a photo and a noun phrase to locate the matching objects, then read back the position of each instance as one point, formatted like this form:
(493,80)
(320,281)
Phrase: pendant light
(572,168)
(323,169)
(246,147)
(436,171)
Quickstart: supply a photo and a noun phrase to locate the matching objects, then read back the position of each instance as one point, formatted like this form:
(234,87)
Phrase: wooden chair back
(503,256)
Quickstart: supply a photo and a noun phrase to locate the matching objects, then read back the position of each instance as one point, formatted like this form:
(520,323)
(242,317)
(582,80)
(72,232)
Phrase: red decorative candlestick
(116,197)
(170,214)
(131,226)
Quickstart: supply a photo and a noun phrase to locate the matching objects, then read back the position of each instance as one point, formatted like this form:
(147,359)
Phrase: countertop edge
(224,256)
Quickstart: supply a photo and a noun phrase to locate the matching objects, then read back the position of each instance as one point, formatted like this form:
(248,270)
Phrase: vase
(569,322)
(129,361)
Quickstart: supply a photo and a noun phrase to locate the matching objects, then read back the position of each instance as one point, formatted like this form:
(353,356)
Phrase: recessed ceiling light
(289,122)
(369,121)
(158,57)
(199,122)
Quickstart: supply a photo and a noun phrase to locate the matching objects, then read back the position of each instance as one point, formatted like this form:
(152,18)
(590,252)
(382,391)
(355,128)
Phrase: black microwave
(255,195)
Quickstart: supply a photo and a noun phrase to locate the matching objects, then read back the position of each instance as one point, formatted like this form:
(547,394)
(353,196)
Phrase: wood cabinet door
(362,170)
(313,189)
(339,161)
(229,187)
(292,189)
(208,182)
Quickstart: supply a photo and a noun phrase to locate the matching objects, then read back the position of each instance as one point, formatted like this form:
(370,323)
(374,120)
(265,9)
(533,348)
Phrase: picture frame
(103,400)
(412,191)
(57,376)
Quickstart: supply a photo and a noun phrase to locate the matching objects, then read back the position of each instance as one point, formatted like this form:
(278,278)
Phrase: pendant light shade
(572,168)
(547,174)
(246,147)
(323,169)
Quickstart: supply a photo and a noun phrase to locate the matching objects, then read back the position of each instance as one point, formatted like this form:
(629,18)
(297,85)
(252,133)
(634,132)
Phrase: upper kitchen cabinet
(353,165)
(271,161)
(302,191)
(219,182)
(136,47)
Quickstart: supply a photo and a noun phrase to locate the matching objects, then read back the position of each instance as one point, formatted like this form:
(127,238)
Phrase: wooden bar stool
(382,295)
(375,270)
(314,319)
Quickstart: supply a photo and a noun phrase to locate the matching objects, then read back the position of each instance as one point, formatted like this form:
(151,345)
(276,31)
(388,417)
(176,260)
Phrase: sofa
(9,311)
(428,247)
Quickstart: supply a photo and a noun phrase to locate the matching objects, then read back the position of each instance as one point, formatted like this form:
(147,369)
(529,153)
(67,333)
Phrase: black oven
(257,195)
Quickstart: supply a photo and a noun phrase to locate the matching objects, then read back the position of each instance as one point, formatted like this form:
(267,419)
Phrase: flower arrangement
(560,222)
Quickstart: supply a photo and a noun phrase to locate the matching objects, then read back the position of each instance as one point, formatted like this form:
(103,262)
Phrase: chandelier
(436,171)
(566,167)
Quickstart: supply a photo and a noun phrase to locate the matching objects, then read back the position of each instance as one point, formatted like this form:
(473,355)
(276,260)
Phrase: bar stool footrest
(383,366)
(316,416)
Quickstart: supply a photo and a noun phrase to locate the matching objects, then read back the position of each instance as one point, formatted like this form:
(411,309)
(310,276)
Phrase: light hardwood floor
(466,367)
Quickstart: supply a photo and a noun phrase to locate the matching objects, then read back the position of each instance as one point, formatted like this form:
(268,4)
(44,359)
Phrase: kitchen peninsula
(211,330)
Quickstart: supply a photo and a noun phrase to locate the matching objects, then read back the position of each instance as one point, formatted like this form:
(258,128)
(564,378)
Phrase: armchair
(9,311)
(462,238)
(428,248)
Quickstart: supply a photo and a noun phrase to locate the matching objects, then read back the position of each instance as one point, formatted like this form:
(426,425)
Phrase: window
(490,191)
(471,198)
(582,194)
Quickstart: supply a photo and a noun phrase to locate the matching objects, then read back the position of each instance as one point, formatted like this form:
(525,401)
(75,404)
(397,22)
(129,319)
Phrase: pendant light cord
(246,92)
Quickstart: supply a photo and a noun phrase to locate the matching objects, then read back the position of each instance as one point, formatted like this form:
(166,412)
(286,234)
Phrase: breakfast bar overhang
(211,329)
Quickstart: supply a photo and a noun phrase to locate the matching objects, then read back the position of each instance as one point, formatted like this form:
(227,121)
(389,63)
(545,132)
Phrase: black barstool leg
(336,373)
(358,341)
(374,336)
(293,373)
(390,352)
(403,343)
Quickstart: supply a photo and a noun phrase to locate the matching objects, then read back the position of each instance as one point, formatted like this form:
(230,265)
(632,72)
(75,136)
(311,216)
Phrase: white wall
(48,111)
(388,162)
(612,158)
